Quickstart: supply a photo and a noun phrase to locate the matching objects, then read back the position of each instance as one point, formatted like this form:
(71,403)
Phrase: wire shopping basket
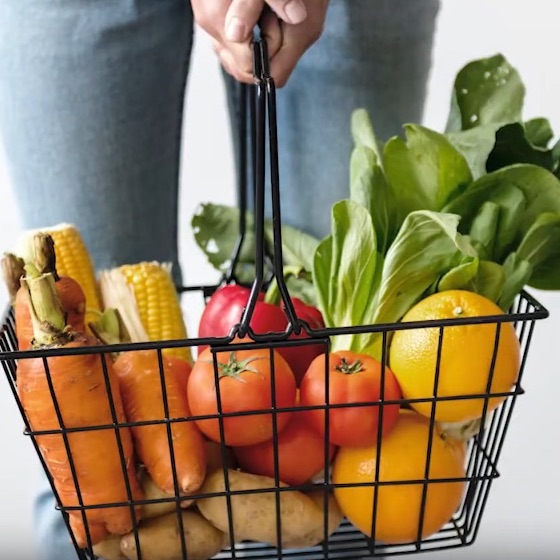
(433,499)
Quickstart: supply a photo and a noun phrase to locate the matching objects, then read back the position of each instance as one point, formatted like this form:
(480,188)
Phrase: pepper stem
(273,295)
(47,315)
(349,368)
(44,254)
(12,271)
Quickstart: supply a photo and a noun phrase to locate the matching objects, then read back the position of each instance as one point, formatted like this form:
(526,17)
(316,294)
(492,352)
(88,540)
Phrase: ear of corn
(72,260)
(145,296)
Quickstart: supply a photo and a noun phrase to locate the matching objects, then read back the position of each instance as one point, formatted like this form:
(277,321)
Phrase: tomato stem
(349,368)
(234,368)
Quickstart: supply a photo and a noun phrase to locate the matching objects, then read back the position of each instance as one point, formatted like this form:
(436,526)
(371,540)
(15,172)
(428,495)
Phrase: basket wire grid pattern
(483,450)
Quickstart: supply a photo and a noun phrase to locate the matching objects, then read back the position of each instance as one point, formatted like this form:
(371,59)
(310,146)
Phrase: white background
(524,504)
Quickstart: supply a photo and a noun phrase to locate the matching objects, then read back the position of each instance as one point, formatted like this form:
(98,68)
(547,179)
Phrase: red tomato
(245,385)
(353,378)
(301,453)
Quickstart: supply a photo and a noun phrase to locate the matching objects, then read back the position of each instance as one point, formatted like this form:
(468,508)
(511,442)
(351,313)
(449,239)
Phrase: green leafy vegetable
(426,247)
(216,230)
(541,248)
(486,91)
(484,228)
(517,273)
(539,132)
(424,171)
(486,278)
(512,146)
(363,133)
(539,187)
(344,269)
(475,144)
(216,227)
(369,188)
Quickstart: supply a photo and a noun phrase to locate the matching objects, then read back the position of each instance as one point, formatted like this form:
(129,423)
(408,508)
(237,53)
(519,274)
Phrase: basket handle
(263,120)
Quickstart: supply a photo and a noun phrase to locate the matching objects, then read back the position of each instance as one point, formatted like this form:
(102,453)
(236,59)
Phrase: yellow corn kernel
(72,260)
(157,303)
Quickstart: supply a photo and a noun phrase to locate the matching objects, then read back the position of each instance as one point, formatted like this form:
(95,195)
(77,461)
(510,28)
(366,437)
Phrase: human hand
(289,32)
(296,39)
(231,22)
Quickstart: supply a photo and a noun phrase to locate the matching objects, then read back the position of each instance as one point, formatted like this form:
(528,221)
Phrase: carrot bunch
(102,466)
(83,393)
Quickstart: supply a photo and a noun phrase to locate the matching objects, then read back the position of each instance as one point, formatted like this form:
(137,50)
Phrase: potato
(153,492)
(159,538)
(109,549)
(334,514)
(254,515)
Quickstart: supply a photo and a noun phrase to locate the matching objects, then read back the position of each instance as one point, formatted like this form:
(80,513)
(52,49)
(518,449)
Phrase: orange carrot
(141,389)
(140,382)
(70,293)
(81,392)
(182,370)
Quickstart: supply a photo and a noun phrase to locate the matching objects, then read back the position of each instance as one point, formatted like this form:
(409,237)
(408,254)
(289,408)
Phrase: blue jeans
(91,104)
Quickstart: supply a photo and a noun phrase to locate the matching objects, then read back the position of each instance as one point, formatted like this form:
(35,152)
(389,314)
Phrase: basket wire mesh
(484,448)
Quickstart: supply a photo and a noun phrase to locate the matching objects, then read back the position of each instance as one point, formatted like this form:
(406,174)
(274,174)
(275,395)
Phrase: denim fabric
(91,104)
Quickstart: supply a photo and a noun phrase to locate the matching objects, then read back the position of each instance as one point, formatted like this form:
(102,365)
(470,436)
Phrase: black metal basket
(484,447)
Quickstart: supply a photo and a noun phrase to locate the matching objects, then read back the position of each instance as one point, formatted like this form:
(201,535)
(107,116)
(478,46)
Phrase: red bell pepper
(224,310)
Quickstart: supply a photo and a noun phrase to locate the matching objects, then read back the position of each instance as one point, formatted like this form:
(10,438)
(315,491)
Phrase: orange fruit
(466,356)
(402,457)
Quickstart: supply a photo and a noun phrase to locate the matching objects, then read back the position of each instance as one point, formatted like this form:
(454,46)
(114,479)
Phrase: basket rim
(268,340)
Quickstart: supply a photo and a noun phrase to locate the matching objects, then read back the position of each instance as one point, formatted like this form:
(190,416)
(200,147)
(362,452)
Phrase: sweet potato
(159,538)
(254,515)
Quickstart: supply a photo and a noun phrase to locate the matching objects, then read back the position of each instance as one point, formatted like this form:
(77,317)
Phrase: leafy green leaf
(460,277)
(298,247)
(539,132)
(427,246)
(425,170)
(488,90)
(486,278)
(475,144)
(322,267)
(484,227)
(490,280)
(369,188)
(216,229)
(344,269)
(302,289)
(512,146)
(522,191)
(517,273)
(363,133)
(541,248)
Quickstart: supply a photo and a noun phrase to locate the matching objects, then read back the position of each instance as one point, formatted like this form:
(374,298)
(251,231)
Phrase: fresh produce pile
(436,226)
